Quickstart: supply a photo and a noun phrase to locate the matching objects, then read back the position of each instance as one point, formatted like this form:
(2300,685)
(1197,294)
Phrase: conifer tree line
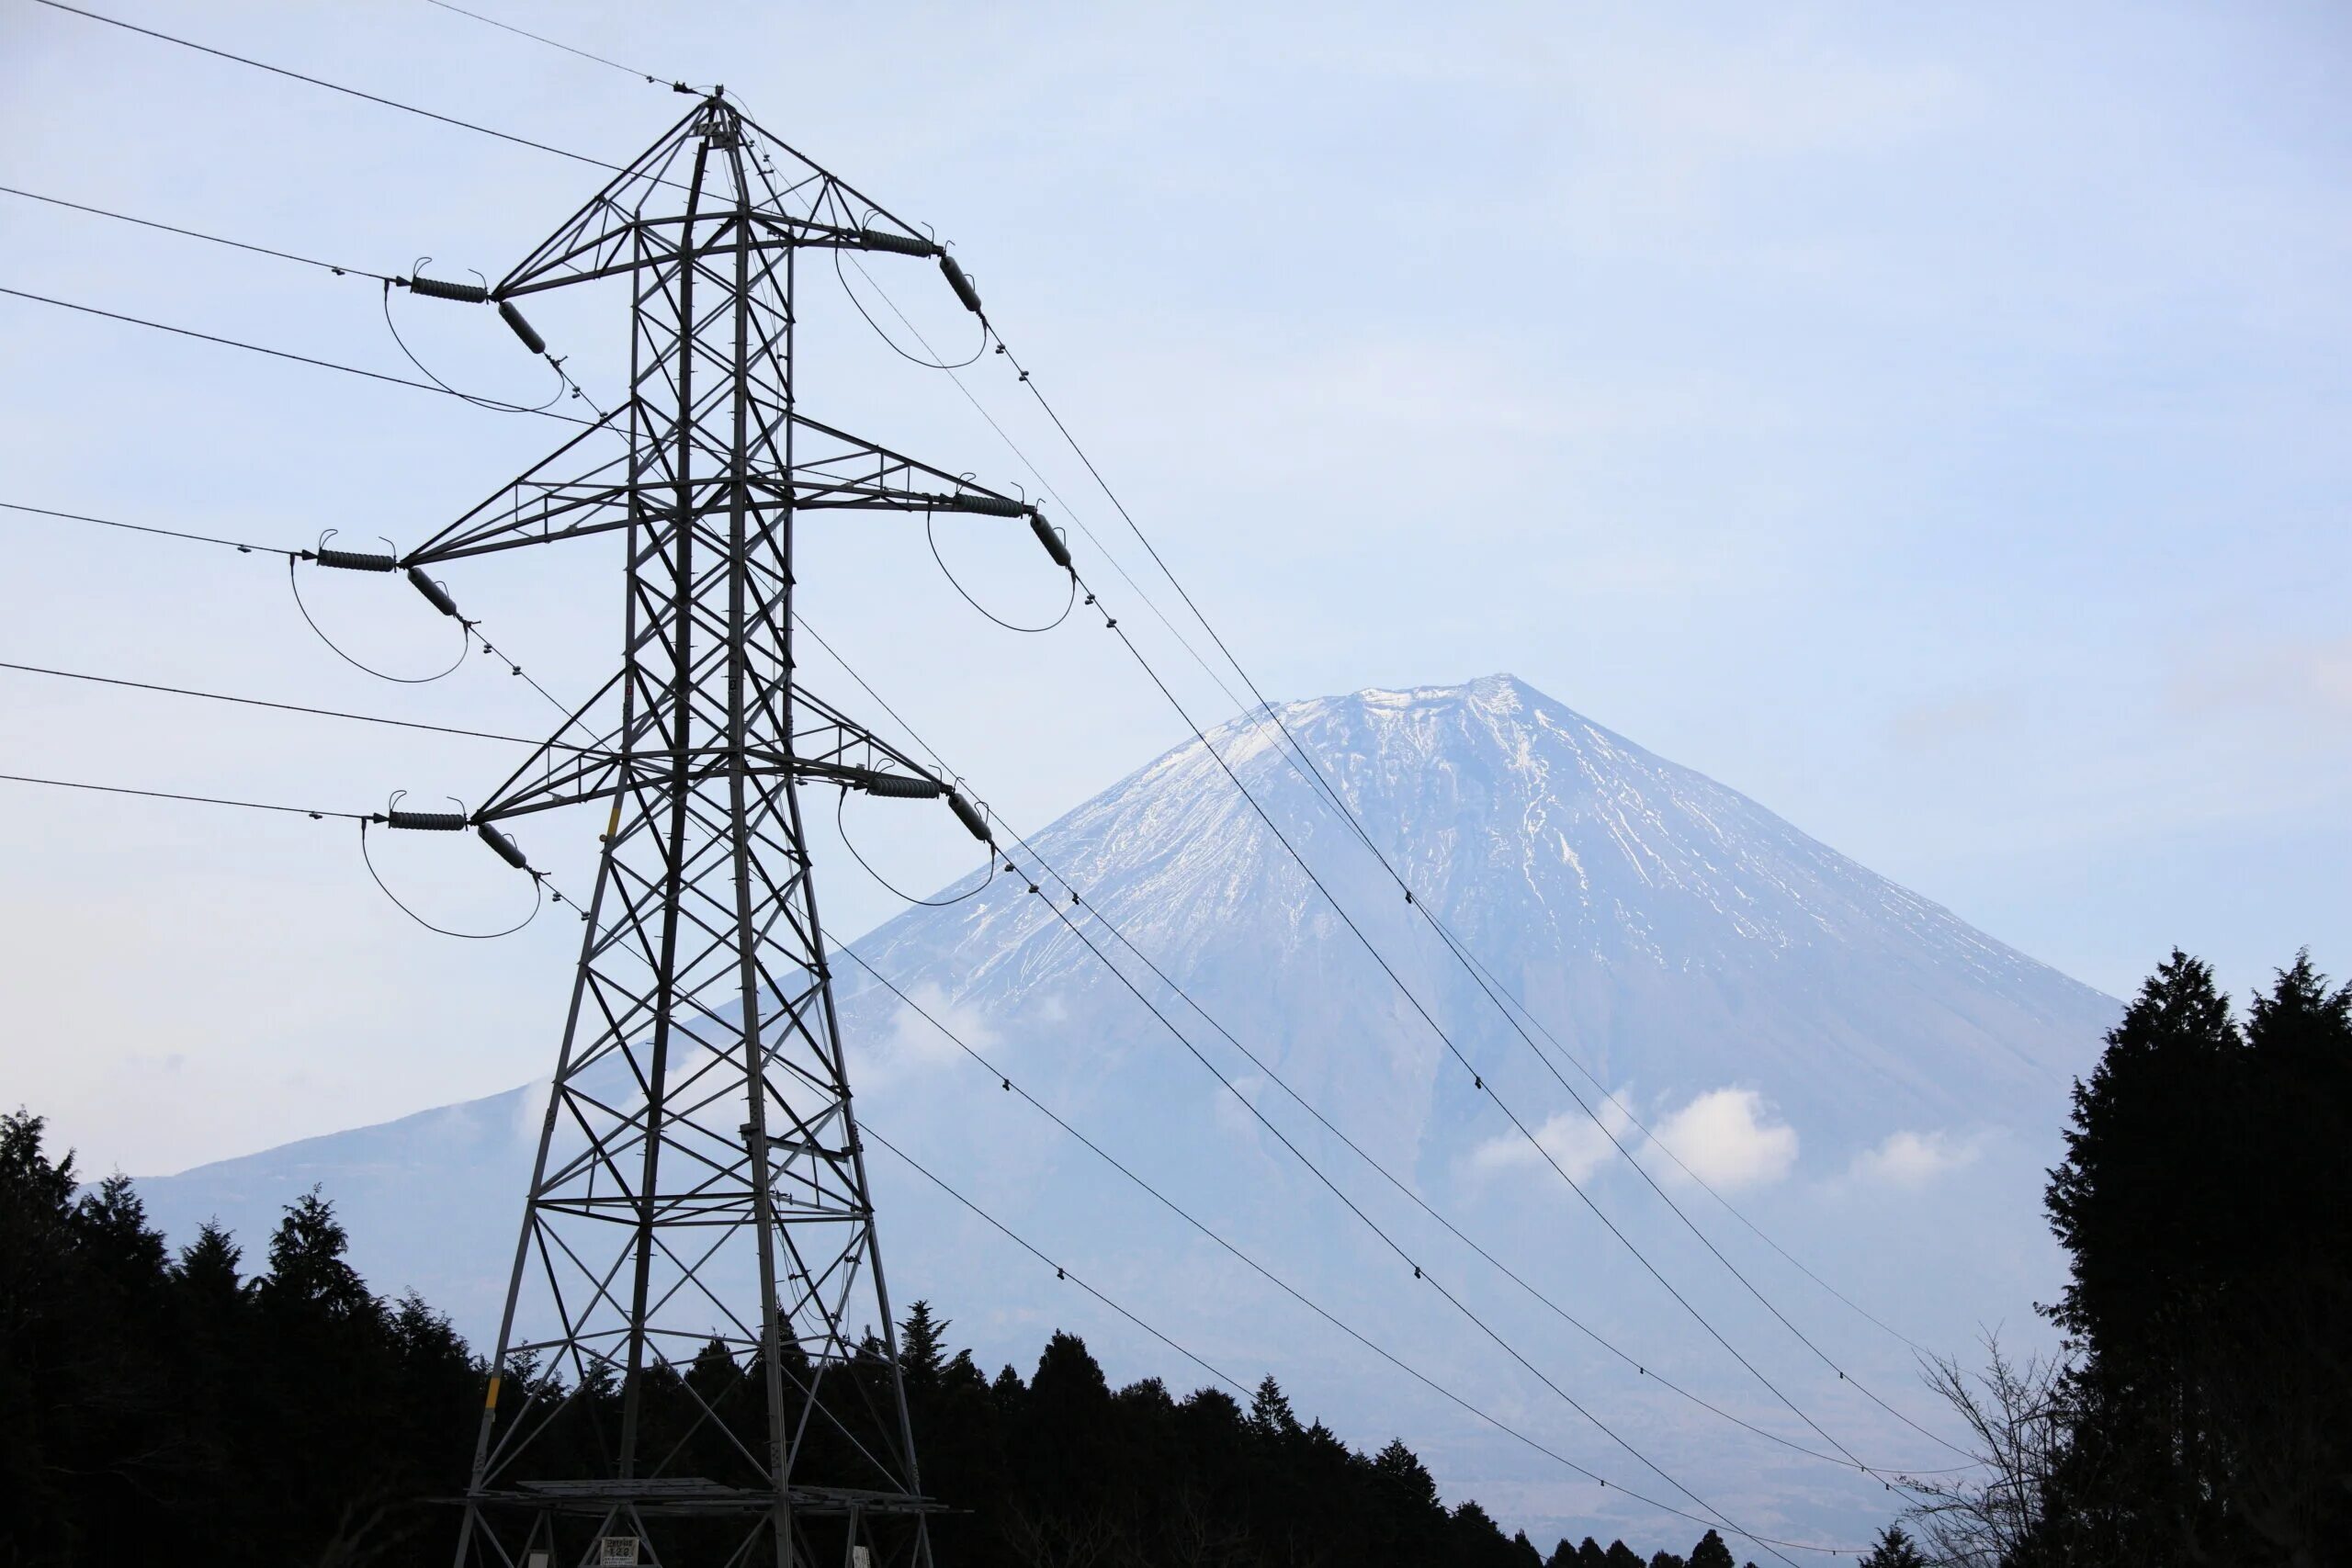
(2200,1410)
(202,1409)
(208,1407)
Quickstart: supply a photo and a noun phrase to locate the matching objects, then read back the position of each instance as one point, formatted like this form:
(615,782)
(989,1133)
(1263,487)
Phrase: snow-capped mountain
(1874,1082)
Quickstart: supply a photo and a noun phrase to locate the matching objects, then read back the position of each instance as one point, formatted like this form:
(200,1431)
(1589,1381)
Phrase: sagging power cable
(473,626)
(1061,1271)
(259,348)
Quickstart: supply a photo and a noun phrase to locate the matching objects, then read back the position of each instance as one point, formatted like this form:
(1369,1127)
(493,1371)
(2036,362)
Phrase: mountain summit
(1875,1082)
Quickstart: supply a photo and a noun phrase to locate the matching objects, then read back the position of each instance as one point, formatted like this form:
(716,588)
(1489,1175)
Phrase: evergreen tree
(1270,1412)
(922,1339)
(1623,1556)
(2208,1404)
(1711,1553)
(1894,1550)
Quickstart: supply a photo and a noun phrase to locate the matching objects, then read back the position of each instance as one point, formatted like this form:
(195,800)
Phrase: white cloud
(1232,1114)
(1576,1142)
(1727,1138)
(1912,1159)
(914,1042)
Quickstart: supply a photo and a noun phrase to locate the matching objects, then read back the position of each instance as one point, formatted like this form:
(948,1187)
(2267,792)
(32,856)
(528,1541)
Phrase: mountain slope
(1873,1080)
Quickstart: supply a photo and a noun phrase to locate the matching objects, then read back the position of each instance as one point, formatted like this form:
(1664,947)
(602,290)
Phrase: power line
(474,627)
(273,352)
(198,799)
(197,234)
(331,87)
(552,43)
(290,708)
(1045,485)
(237,545)
(1293,1292)
(1061,1271)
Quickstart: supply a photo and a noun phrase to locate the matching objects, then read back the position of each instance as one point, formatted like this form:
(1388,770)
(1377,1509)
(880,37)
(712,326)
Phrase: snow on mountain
(1875,1083)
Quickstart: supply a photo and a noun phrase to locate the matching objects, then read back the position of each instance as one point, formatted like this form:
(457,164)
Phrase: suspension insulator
(958,282)
(1051,540)
(523,329)
(986,505)
(426,821)
(463,293)
(899,787)
(971,818)
(355,560)
(900,245)
(508,851)
(435,594)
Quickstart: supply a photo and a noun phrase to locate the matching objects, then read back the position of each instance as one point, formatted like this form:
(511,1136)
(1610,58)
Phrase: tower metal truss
(697,1359)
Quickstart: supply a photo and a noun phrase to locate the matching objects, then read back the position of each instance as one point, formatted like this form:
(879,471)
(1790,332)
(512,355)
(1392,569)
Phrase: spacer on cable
(353,561)
(508,850)
(959,283)
(426,821)
(433,289)
(522,328)
(899,244)
(1055,546)
(435,594)
(973,821)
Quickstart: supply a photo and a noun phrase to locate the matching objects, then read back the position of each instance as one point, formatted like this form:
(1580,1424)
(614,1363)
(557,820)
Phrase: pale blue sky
(1932,424)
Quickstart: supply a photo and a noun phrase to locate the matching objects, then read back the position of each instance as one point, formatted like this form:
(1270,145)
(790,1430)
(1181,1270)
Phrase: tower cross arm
(559,500)
(825,746)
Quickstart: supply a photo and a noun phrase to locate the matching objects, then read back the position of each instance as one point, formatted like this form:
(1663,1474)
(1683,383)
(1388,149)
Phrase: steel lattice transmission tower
(698,1293)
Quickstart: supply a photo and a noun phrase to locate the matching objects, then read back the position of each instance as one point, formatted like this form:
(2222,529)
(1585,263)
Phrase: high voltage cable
(1047,485)
(237,545)
(1294,1294)
(273,352)
(553,43)
(197,234)
(333,86)
(242,547)
(1061,1271)
(290,708)
(1641,1368)
(198,799)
